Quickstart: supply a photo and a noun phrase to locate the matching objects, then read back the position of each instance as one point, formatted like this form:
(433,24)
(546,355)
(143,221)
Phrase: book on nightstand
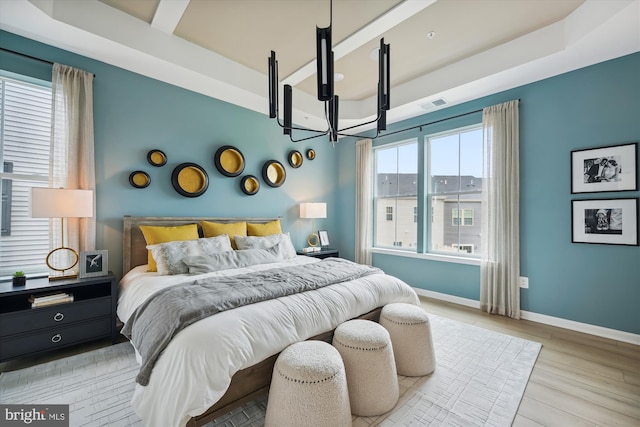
(53,299)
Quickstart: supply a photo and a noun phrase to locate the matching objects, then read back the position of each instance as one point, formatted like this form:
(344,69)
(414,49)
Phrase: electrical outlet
(524,282)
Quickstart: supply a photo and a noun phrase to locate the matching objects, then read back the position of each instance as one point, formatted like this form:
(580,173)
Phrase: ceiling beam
(168,14)
(395,16)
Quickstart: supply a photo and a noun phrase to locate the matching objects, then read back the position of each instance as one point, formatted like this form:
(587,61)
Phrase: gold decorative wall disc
(139,179)
(229,161)
(156,158)
(273,173)
(190,179)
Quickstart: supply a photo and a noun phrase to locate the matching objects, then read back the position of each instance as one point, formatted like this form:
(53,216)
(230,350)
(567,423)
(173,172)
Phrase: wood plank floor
(578,379)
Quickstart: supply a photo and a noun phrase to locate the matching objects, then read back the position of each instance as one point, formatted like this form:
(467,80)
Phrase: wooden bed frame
(247,384)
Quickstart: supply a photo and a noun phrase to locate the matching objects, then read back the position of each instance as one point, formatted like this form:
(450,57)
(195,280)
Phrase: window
(466,215)
(444,217)
(396,191)
(455,173)
(25,130)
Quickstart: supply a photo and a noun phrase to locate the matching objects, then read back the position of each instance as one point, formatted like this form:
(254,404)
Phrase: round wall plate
(190,180)
(139,179)
(311,154)
(273,173)
(156,158)
(295,159)
(250,185)
(229,161)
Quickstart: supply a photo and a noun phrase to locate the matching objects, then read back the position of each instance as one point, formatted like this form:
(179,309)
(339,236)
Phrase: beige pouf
(308,388)
(410,333)
(366,350)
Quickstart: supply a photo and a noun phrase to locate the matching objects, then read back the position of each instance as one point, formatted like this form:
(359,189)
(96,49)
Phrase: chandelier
(325,77)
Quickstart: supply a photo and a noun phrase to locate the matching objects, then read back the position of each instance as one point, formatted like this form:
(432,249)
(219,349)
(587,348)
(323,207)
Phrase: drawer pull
(56,338)
(58,317)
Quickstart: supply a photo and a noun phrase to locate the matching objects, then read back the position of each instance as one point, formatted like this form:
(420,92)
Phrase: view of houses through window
(25,124)
(452,193)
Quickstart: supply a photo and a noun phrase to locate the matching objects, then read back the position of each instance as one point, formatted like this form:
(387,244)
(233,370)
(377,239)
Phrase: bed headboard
(134,250)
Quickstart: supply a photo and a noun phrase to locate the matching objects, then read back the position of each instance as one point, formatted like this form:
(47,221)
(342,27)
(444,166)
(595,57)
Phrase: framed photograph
(324,238)
(605,221)
(94,263)
(612,168)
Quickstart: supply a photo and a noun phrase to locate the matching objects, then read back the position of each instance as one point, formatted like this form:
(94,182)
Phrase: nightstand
(26,331)
(324,253)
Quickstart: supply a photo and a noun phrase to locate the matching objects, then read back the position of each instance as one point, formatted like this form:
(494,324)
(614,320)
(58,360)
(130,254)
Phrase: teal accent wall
(590,107)
(134,114)
(589,283)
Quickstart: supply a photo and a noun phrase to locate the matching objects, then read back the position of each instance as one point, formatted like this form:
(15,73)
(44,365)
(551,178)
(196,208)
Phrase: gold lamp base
(313,240)
(60,272)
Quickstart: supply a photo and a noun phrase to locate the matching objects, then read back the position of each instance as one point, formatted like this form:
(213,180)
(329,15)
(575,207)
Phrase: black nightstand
(26,331)
(324,253)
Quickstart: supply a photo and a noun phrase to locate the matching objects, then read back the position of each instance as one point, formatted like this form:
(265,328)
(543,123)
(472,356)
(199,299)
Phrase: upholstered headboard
(134,250)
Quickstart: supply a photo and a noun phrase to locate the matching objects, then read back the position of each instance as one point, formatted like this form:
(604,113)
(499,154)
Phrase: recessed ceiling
(220,47)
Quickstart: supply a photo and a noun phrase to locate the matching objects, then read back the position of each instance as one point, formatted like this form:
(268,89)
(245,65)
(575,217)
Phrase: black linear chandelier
(325,76)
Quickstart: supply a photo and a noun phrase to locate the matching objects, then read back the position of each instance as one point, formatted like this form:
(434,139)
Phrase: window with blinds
(25,135)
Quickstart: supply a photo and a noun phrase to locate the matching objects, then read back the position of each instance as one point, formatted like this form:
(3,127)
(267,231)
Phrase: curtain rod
(24,55)
(435,121)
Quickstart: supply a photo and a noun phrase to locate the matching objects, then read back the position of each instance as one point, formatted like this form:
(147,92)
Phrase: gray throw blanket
(156,321)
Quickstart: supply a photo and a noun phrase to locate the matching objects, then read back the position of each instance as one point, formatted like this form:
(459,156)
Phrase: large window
(454,191)
(396,192)
(448,217)
(25,130)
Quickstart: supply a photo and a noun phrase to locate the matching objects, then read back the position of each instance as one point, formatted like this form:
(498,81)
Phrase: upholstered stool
(410,333)
(366,350)
(308,388)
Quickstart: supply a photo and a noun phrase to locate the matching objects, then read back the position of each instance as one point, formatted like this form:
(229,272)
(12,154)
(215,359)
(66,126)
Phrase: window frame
(375,199)
(425,210)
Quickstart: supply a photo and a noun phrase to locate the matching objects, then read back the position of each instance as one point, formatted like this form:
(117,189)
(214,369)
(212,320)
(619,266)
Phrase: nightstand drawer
(57,315)
(54,338)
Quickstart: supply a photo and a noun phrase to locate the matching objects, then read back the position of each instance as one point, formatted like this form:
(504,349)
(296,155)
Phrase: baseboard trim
(586,328)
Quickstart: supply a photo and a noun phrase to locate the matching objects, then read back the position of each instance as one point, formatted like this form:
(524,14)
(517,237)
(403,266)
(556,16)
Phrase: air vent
(433,104)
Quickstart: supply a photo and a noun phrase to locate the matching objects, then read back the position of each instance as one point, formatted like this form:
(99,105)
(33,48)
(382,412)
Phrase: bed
(225,360)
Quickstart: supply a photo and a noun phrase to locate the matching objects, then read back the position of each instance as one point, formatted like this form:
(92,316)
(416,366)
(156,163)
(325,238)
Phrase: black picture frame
(324,238)
(94,263)
(605,221)
(620,172)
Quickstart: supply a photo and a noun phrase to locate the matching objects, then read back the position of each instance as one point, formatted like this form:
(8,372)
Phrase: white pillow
(169,255)
(265,242)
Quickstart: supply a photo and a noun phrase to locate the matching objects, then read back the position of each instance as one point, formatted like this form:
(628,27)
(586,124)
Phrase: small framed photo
(605,221)
(94,263)
(324,238)
(612,168)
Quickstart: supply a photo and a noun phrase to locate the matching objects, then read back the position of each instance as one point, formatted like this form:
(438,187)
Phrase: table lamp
(61,203)
(312,211)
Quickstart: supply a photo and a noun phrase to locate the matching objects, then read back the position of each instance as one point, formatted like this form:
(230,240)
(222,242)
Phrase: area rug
(479,381)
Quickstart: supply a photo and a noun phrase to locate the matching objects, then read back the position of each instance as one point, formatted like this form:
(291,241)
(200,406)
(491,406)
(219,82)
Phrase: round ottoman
(366,350)
(308,388)
(410,333)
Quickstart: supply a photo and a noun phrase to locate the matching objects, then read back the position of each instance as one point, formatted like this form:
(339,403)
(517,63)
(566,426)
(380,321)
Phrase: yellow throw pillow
(267,229)
(213,229)
(155,235)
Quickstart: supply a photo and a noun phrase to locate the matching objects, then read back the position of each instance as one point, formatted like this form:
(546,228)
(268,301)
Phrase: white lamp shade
(313,210)
(61,203)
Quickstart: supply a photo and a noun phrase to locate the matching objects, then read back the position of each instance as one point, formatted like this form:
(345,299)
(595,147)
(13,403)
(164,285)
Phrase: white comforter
(195,370)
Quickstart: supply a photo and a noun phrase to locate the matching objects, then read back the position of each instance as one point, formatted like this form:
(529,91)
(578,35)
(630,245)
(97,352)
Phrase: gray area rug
(479,381)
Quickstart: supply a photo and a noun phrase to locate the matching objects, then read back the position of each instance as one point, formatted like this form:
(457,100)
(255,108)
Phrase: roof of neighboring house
(406,184)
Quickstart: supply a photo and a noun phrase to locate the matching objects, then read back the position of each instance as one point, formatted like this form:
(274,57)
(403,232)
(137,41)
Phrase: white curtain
(72,158)
(500,267)
(364,200)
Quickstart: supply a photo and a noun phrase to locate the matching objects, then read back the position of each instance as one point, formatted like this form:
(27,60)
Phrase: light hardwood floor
(578,379)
